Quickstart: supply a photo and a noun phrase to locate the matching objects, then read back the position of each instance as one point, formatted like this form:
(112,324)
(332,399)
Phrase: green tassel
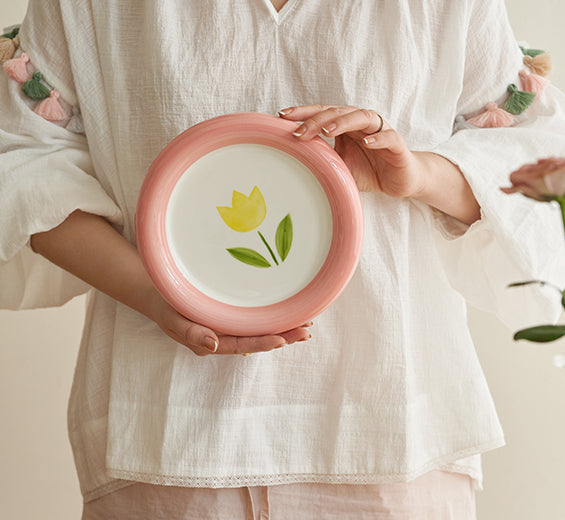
(519,100)
(34,89)
(11,34)
(531,52)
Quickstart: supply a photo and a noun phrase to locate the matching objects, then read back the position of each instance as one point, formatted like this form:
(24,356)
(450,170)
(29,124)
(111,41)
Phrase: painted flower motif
(543,181)
(246,213)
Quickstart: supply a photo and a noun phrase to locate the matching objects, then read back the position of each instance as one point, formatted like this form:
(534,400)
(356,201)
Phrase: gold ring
(381,125)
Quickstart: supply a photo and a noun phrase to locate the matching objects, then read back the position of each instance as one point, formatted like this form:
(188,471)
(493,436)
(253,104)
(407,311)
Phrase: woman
(386,403)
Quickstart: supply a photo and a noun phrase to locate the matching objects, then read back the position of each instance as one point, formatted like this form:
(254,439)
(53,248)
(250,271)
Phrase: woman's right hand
(204,341)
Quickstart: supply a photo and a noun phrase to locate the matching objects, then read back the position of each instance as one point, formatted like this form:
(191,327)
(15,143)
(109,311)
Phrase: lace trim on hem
(272,480)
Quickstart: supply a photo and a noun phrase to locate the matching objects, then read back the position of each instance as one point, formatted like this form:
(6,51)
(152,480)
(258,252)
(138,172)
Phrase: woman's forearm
(446,188)
(89,247)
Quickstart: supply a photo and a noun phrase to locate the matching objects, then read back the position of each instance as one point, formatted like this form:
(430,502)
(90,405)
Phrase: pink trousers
(438,495)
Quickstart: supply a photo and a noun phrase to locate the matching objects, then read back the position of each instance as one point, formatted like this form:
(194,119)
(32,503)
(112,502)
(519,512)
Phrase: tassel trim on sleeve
(47,101)
(9,43)
(492,117)
(533,81)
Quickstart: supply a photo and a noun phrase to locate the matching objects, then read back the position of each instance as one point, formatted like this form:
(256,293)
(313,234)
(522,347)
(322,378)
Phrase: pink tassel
(532,82)
(492,117)
(51,109)
(17,68)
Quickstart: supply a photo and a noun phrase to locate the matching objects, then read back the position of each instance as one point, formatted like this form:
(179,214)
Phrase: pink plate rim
(249,128)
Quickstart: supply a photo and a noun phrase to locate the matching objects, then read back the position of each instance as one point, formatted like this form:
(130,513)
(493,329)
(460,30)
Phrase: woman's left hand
(374,152)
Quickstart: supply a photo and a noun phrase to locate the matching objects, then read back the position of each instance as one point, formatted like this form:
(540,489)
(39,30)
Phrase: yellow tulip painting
(248,213)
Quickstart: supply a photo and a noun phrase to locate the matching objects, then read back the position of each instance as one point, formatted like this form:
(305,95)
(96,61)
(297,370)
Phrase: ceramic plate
(246,230)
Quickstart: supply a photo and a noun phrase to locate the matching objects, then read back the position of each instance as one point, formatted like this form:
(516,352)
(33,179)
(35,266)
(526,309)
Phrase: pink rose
(544,180)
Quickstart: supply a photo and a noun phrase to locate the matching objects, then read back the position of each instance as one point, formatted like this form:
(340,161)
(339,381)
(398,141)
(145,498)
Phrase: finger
(389,139)
(300,113)
(250,345)
(295,335)
(307,324)
(393,148)
(357,123)
(314,120)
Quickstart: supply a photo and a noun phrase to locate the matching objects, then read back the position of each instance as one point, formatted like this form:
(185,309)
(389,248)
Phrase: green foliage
(541,333)
(528,282)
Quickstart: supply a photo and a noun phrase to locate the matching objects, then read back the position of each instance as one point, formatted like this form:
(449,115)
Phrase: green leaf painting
(283,238)
(248,256)
(264,240)
(542,333)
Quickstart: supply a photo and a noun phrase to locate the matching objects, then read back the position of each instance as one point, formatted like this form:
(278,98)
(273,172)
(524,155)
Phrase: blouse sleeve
(516,239)
(46,171)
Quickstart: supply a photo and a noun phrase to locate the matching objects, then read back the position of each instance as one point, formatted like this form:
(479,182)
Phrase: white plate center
(271,185)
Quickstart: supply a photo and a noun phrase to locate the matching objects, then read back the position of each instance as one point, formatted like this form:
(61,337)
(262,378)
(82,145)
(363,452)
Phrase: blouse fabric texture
(389,387)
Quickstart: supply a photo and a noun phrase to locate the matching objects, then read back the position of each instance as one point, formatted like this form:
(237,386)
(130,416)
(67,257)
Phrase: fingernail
(369,140)
(282,345)
(210,343)
(284,112)
(329,128)
(299,131)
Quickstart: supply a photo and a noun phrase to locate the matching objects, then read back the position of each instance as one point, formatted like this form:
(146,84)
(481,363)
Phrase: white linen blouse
(389,387)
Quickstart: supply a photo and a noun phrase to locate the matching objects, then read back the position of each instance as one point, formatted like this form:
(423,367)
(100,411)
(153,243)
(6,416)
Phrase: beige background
(524,480)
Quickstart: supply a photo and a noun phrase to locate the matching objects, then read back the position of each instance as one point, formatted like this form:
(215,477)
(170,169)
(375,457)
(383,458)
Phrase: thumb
(387,139)
(189,333)
(200,336)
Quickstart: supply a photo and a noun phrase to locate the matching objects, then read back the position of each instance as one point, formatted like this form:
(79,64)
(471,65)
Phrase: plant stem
(561,201)
(268,247)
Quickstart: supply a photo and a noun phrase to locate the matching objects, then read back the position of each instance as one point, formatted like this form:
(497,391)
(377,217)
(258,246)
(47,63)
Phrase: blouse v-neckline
(279,16)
